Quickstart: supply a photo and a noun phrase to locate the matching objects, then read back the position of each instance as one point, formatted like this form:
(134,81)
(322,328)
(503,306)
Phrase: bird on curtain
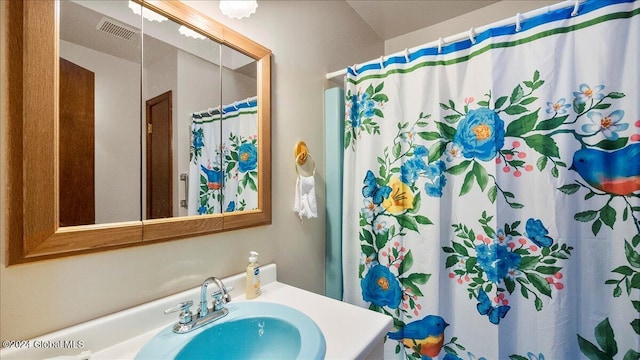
(426,335)
(616,172)
(214,178)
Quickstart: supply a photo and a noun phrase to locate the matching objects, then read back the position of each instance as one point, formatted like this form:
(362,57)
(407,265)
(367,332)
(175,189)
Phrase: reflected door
(76,131)
(159,157)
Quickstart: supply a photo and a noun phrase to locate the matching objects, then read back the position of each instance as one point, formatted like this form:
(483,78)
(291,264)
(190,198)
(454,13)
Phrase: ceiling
(79,20)
(392,18)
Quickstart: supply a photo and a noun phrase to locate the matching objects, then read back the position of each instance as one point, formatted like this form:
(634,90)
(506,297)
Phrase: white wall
(117,132)
(481,17)
(237,86)
(308,39)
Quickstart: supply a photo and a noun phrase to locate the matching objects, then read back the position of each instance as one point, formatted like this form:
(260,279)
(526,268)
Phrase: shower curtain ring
(355,69)
(406,55)
(518,22)
(440,45)
(575,8)
(382,62)
(472,36)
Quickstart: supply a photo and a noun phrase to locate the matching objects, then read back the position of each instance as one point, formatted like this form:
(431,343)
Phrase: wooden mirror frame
(30,127)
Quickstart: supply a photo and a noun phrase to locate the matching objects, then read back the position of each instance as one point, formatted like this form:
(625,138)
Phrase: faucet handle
(185,313)
(220,298)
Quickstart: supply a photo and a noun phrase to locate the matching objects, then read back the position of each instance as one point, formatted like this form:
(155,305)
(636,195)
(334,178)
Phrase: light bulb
(238,8)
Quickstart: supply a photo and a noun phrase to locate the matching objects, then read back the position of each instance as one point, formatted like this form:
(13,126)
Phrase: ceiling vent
(117,29)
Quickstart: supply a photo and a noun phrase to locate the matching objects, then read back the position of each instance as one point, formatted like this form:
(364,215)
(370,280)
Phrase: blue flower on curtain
(370,208)
(241,159)
(609,125)
(497,261)
(197,143)
(480,134)
(504,259)
(420,151)
(480,137)
(380,226)
(586,93)
(361,109)
(247,157)
(380,287)
(411,169)
(436,179)
(453,151)
(368,105)
(559,107)
(354,111)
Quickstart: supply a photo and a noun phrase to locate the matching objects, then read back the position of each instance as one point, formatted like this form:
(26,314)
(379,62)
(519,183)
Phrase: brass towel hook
(302,154)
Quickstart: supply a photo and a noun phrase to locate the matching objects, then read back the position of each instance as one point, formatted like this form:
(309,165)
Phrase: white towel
(305,197)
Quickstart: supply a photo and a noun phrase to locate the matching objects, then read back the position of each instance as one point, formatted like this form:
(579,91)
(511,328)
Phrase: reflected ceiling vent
(117,29)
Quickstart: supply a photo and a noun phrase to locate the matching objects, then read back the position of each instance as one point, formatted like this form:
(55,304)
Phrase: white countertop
(350,331)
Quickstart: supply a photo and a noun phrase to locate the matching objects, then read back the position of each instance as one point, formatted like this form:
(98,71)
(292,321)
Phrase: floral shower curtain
(223,171)
(492,190)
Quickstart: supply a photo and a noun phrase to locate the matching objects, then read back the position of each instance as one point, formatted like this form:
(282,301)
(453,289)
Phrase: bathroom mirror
(32,109)
(181,75)
(239,128)
(100,54)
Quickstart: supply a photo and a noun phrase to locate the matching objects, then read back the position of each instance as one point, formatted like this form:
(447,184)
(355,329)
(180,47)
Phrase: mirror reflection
(99,127)
(176,136)
(228,133)
(181,74)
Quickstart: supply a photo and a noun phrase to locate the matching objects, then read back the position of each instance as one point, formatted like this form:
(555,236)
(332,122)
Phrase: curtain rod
(216,110)
(470,34)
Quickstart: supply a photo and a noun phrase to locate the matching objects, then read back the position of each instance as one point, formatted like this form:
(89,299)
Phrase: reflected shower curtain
(223,172)
(492,191)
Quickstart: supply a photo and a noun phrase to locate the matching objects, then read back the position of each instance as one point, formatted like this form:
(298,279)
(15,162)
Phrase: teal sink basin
(251,330)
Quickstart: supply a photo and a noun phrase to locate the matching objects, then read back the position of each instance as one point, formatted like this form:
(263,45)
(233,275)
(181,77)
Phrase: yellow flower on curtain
(401,197)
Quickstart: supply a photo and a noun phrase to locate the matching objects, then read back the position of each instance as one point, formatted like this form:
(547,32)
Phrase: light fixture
(238,8)
(188,32)
(146,13)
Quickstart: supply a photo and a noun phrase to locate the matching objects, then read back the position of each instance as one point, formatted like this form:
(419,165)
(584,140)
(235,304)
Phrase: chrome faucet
(205,315)
(204,310)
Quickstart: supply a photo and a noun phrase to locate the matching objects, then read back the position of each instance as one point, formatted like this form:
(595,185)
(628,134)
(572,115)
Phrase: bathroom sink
(251,330)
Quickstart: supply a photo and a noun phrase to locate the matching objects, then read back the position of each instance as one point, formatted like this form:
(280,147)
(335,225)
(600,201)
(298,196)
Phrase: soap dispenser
(253,276)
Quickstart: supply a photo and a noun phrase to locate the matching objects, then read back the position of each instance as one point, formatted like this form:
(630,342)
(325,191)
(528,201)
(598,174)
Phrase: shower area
(490,188)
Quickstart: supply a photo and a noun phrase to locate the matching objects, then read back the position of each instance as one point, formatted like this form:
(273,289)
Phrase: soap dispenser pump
(253,276)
